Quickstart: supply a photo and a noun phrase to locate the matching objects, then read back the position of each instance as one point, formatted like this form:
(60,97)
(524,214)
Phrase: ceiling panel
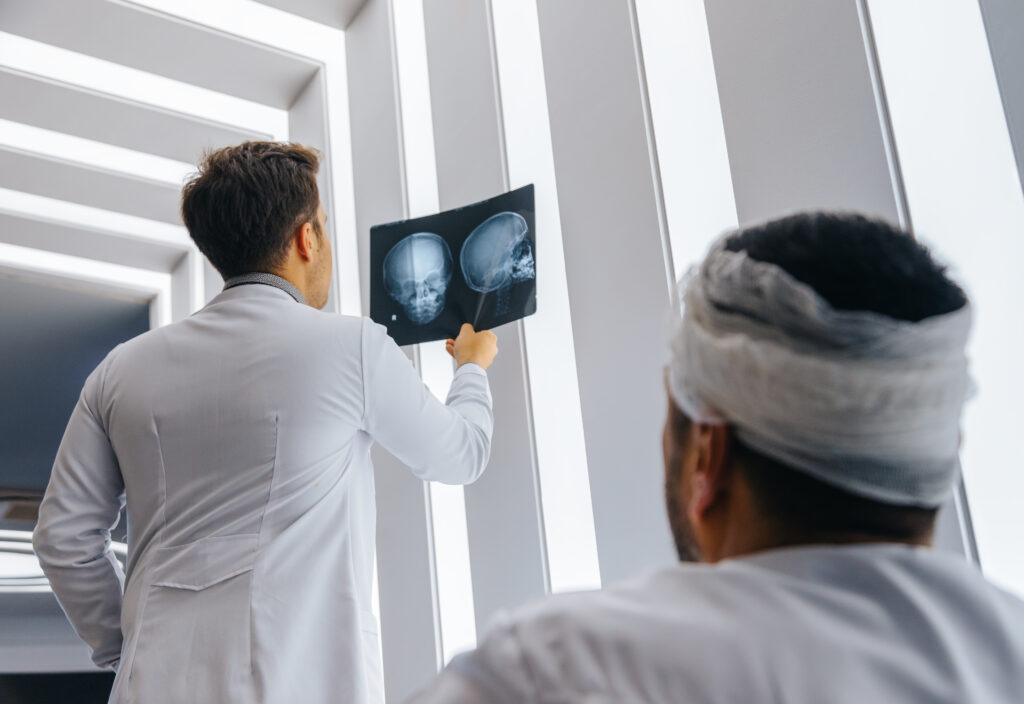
(80,184)
(151,41)
(115,248)
(104,118)
(334,13)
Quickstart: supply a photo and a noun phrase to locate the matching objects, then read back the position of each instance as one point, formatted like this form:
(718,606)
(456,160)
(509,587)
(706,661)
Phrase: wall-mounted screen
(476,264)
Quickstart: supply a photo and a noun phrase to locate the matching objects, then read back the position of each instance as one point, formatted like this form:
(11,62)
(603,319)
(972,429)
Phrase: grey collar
(262,277)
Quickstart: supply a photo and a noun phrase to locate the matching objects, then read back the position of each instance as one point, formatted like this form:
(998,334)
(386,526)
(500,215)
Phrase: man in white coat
(239,439)
(815,388)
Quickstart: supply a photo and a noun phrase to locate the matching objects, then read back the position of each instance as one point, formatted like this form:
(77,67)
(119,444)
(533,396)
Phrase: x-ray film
(476,264)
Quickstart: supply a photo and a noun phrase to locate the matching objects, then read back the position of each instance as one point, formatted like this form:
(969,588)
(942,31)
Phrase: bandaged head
(859,400)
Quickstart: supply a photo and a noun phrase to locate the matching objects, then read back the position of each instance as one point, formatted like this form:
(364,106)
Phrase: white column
(502,508)
(618,269)
(409,635)
(964,193)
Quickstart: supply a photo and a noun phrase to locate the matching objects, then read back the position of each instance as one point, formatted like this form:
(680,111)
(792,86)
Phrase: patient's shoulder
(641,630)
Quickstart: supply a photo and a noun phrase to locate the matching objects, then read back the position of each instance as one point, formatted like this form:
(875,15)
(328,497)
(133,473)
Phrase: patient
(815,389)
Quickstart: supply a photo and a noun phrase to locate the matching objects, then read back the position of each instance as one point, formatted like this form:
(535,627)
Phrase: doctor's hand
(471,346)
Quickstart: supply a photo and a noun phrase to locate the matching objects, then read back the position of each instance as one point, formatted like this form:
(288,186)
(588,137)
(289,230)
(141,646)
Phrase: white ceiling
(334,13)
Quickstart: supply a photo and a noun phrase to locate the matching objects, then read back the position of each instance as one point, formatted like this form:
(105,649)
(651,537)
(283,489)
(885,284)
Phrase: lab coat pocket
(195,634)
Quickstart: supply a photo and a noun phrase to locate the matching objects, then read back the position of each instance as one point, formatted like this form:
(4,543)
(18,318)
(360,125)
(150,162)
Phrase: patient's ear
(712,470)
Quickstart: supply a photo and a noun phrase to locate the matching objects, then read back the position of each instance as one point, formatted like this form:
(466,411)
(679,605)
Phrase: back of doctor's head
(855,264)
(245,202)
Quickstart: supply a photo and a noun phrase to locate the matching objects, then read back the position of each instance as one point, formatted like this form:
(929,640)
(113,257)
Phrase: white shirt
(240,438)
(867,624)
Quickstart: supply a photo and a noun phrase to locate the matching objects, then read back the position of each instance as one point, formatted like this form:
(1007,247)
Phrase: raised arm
(449,442)
(72,537)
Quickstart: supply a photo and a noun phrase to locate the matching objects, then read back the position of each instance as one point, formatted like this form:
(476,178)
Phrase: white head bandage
(857,399)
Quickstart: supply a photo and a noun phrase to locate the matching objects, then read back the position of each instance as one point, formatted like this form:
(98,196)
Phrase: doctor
(815,389)
(239,439)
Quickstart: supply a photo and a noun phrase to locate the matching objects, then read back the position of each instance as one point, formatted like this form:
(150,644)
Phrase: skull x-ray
(416,275)
(476,264)
(498,254)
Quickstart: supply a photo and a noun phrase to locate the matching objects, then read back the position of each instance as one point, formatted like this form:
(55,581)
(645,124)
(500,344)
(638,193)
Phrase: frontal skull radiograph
(417,271)
(496,255)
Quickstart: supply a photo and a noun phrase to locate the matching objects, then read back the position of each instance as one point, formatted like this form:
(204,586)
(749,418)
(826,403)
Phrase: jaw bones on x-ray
(421,293)
(416,274)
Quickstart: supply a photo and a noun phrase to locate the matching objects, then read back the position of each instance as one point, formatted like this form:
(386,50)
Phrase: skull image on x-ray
(416,274)
(496,255)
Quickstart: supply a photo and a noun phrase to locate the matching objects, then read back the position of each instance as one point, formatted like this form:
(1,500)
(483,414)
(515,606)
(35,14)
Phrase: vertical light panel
(558,422)
(617,270)
(307,124)
(451,539)
(447,503)
(965,197)
(502,511)
(692,156)
(405,560)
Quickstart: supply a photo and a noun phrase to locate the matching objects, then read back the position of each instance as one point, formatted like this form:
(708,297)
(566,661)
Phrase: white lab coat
(864,624)
(241,439)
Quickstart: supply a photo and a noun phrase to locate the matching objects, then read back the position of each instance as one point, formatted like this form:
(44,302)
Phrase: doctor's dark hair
(854,263)
(245,202)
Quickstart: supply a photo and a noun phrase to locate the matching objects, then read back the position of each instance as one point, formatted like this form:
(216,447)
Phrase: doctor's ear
(306,241)
(712,469)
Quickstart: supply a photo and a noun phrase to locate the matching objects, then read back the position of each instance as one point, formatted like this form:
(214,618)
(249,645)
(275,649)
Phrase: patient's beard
(682,530)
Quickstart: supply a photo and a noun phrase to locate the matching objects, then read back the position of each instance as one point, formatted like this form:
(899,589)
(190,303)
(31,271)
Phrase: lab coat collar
(262,277)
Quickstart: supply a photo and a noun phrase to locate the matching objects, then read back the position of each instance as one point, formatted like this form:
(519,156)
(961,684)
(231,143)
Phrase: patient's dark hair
(246,201)
(854,263)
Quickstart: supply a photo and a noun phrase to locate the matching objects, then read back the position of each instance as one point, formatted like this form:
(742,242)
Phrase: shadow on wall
(78,687)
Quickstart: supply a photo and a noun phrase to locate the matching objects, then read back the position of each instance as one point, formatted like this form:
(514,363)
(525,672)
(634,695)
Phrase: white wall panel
(502,509)
(799,109)
(1004,23)
(964,195)
(405,559)
(568,524)
(618,270)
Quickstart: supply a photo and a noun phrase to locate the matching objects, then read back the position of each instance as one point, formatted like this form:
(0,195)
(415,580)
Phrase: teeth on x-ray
(416,274)
(496,255)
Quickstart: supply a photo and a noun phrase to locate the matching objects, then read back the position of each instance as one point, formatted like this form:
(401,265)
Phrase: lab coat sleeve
(495,673)
(449,442)
(72,536)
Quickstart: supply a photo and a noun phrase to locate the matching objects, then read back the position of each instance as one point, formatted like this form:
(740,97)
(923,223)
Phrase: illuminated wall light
(69,67)
(568,518)
(53,210)
(964,196)
(137,284)
(447,503)
(67,148)
(685,111)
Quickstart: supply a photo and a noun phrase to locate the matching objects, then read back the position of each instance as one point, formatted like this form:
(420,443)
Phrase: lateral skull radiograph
(497,254)
(420,292)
